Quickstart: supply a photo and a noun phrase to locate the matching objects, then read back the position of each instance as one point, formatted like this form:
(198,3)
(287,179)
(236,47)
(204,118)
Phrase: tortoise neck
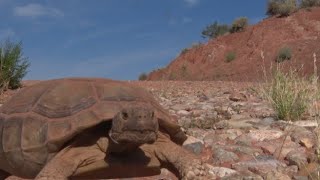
(121,148)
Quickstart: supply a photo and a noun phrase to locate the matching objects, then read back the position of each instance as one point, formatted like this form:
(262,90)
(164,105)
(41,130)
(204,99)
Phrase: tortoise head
(134,125)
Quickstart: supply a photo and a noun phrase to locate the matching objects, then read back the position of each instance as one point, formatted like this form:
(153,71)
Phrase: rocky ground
(236,133)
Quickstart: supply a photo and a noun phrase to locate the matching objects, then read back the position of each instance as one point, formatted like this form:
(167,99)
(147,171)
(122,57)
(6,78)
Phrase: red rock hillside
(300,32)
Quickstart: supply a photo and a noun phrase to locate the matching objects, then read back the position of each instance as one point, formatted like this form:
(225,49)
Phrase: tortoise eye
(152,114)
(125,115)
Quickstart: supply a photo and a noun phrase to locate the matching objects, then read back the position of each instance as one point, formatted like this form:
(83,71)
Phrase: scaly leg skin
(188,165)
(67,161)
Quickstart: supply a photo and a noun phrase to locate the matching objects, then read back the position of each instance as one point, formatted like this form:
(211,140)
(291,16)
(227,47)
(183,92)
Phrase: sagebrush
(281,7)
(143,77)
(309,3)
(284,54)
(13,65)
(230,56)
(239,24)
(214,30)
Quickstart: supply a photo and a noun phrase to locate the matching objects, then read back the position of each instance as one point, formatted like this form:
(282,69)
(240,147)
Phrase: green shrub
(230,56)
(196,45)
(214,30)
(281,7)
(239,24)
(284,54)
(13,66)
(143,77)
(172,76)
(184,50)
(289,94)
(309,3)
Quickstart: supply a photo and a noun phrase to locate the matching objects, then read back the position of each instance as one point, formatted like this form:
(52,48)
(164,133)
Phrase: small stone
(206,107)
(178,107)
(222,124)
(297,158)
(261,164)
(202,97)
(237,96)
(276,175)
(312,169)
(243,140)
(233,133)
(183,112)
(302,133)
(261,135)
(307,142)
(281,152)
(242,124)
(296,177)
(235,117)
(290,169)
(221,171)
(268,148)
(306,123)
(194,145)
(197,113)
(221,156)
(198,133)
(246,176)
(267,121)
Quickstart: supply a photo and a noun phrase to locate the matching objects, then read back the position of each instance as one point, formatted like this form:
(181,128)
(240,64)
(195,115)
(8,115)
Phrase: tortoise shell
(39,120)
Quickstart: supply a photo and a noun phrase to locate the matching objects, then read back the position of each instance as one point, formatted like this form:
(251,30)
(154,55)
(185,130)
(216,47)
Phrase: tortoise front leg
(67,161)
(188,165)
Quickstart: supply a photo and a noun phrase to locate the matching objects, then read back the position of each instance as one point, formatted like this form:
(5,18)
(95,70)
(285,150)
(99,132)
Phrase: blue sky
(116,39)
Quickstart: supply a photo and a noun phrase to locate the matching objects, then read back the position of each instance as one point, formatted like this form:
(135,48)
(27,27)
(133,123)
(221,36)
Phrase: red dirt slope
(300,32)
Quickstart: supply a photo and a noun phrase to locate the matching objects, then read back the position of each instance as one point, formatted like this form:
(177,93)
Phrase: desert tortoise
(90,128)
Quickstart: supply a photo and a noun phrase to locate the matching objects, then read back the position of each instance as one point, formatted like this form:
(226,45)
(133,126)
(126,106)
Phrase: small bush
(172,76)
(214,30)
(281,7)
(185,50)
(288,94)
(196,45)
(13,66)
(284,54)
(239,24)
(230,56)
(143,77)
(309,3)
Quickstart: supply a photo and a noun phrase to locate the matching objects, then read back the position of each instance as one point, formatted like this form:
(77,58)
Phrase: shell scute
(65,99)
(24,100)
(114,91)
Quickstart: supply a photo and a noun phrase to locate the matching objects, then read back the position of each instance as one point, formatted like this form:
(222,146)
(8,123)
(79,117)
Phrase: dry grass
(292,96)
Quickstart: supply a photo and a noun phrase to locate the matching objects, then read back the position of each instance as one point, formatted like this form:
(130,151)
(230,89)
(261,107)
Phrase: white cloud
(192,2)
(36,10)
(6,33)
